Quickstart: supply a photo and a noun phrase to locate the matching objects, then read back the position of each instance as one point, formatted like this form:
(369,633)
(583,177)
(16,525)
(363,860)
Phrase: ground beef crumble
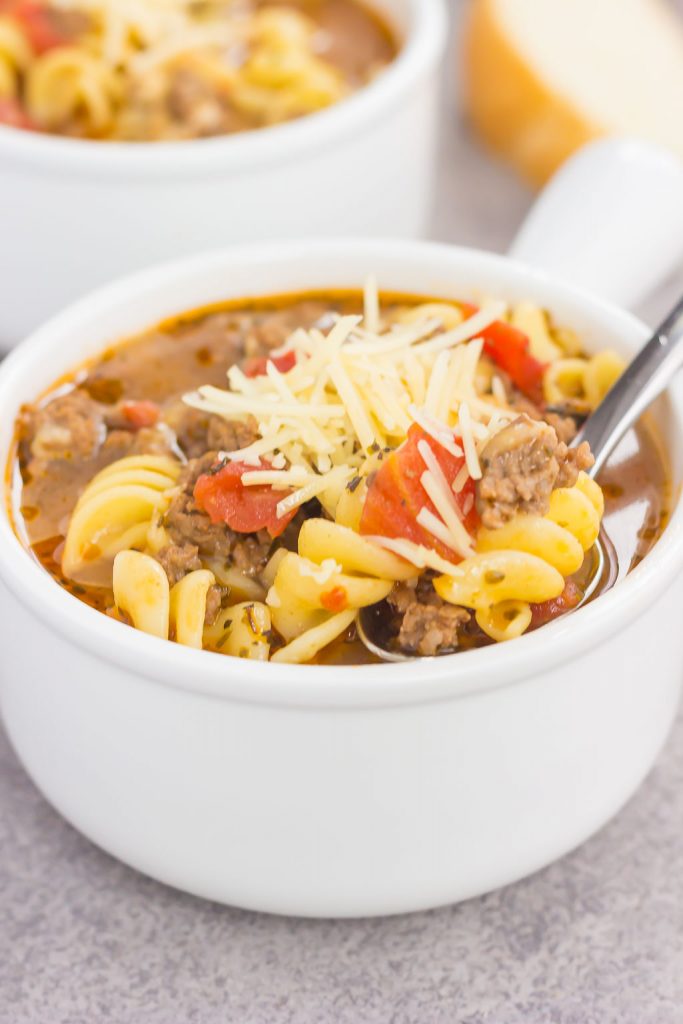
(193,535)
(70,427)
(521,465)
(199,432)
(428,625)
(177,560)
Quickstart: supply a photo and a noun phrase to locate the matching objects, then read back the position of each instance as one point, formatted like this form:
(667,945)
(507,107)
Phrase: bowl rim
(412,683)
(420,53)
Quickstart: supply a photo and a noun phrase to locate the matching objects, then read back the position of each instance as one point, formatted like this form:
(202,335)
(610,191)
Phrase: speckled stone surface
(595,939)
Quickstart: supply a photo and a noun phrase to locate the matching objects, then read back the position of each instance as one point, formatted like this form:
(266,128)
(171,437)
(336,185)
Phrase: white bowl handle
(610,220)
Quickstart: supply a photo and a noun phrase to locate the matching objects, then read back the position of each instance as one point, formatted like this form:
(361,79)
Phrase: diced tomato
(335,600)
(13,114)
(509,349)
(222,495)
(549,610)
(40,24)
(396,494)
(256,366)
(140,414)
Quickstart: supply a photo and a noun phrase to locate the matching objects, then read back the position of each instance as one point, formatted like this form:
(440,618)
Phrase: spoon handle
(636,389)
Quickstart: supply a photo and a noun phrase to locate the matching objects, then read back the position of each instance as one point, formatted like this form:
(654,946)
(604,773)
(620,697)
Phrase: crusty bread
(542,77)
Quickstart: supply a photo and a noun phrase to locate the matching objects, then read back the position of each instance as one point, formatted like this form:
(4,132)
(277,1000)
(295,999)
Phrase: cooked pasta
(581,382)
(69,85)
(372,459)
(141,592)
(308,644)
(149,70)
(320,539)
(117,509)
(187,612)
(312,585)
(15,57)
(242,631)
(491,577)
(504,621)
(533,321)
(539,536)
(573,511)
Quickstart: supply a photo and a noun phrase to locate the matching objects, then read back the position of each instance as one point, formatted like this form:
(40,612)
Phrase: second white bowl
(75,214)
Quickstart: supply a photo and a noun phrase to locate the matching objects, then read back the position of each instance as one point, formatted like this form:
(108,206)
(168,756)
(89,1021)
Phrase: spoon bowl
(599,572)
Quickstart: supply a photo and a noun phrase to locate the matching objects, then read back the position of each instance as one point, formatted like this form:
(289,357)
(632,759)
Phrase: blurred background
(481,199)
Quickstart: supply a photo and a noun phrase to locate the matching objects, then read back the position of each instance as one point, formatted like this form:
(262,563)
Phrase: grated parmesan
(435,526)
(467,432)
(357,386)
(322,573)
(418,555)
(438,431)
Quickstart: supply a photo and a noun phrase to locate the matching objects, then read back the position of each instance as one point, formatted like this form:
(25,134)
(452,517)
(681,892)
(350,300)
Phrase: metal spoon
(644,380)
(647,376)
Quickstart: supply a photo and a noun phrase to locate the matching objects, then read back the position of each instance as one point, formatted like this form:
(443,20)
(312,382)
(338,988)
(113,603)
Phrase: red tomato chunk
(549,610)
(396,495)
(257,365)
(14,116)
(40,25)
(509,348)
(140,414)
(225,499)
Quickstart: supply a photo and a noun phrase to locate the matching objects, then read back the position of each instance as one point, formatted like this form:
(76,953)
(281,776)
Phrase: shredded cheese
(441,498)
(435,526)
(438,431)
(322,573)
(498,390)
(356,386)
(467,431)
(418,555)
(357,413)
(277,478)
(461,479)
(313,489)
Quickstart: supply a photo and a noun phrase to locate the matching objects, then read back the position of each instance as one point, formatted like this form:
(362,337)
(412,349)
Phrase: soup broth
(129,405)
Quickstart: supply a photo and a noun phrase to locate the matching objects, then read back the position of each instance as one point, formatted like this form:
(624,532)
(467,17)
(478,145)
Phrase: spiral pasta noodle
(526,561)
(69,85)
(283,78)
(241,630)
(580,381)
(142,594)
(117,508)
(15,57)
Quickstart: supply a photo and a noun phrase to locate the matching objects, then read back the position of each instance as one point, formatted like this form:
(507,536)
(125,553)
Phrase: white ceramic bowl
(335,791)
(75,214)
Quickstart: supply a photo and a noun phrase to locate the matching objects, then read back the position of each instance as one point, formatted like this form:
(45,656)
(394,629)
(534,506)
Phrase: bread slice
(542,77)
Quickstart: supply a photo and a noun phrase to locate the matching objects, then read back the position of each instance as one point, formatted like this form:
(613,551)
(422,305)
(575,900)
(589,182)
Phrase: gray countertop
(594,939)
